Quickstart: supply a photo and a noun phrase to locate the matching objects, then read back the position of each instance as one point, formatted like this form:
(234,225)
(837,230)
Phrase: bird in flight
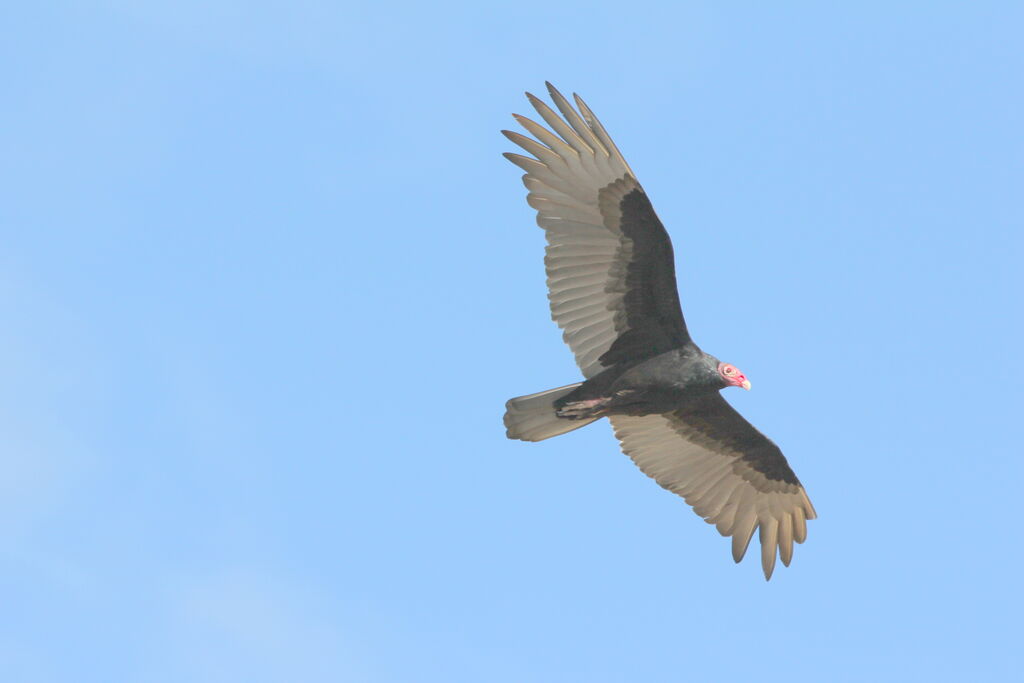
(612,289)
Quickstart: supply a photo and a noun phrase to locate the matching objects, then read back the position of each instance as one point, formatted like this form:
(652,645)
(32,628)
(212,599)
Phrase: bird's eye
(729,370)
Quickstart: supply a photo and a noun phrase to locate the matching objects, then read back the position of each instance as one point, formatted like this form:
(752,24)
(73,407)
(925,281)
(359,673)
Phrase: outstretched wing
(732,474)
(611,275)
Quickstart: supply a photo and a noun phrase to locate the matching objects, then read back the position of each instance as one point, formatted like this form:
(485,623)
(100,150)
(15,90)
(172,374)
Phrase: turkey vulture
(612,288)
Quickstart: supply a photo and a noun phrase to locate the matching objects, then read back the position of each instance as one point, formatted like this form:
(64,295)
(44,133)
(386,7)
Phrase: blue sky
(266,283)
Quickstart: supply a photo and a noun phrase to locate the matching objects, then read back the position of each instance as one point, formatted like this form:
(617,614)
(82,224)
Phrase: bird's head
(732,376)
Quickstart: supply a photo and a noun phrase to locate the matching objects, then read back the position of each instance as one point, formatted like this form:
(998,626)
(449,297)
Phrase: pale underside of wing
(575,180)
(721,486)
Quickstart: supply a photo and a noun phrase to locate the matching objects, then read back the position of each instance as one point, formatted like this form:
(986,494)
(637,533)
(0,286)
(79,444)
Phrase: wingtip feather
(786,539)
(769,546)
(742,534)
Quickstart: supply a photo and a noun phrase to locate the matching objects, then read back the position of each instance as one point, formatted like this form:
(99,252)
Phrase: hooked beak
(746,384)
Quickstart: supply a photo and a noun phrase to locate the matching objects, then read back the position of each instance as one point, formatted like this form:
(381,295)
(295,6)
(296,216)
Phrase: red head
(732,376)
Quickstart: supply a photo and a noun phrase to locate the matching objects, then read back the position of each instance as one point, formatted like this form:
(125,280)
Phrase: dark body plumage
(612,287)
(650,385)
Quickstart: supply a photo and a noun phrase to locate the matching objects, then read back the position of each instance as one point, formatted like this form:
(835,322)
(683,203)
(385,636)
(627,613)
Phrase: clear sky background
(266,284)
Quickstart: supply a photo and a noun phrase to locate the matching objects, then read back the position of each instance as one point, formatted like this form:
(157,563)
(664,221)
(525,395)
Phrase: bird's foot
(581,410)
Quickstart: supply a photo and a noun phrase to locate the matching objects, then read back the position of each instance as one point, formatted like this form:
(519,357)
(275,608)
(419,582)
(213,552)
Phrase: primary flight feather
(612,288)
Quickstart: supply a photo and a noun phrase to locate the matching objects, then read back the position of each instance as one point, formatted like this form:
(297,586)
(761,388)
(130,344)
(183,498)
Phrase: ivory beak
(746,384)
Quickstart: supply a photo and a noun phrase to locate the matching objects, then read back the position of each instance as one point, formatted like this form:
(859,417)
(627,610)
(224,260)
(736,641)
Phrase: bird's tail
(532,418)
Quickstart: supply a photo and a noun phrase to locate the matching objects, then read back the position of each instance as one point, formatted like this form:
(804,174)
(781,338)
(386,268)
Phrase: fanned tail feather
(532,418)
